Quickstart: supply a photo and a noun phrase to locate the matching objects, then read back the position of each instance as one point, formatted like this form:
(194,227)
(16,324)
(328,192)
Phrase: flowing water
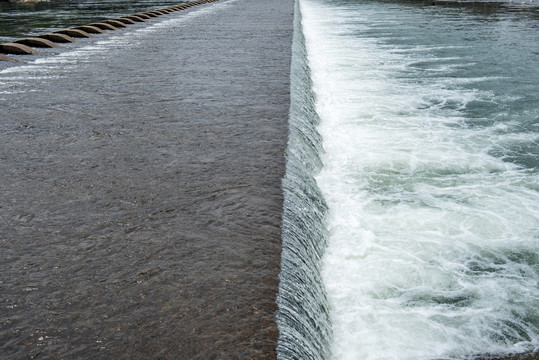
(140,198)
(411,197)
(411,204)
(19,20)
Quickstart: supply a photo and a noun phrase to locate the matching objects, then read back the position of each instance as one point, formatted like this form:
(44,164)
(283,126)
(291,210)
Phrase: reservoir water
(140,188)
(411,215)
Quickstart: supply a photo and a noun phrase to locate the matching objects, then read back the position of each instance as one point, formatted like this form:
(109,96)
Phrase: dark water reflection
(23,19)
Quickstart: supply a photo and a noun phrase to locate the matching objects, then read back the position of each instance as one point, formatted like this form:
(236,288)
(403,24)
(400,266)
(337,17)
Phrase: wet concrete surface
(140,199)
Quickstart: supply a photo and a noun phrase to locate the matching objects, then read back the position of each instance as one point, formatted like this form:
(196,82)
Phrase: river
(140,188)
(411,199)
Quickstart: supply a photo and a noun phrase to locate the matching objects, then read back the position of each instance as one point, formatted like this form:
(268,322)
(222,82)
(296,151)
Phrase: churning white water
(430,177)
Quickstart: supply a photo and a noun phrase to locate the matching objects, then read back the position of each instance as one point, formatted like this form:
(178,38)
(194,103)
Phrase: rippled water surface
(140,198)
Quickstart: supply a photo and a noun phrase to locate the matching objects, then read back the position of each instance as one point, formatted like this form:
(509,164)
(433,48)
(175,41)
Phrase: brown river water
(140,189)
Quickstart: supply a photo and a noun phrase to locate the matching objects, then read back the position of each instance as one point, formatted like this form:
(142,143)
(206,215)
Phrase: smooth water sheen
(429,127)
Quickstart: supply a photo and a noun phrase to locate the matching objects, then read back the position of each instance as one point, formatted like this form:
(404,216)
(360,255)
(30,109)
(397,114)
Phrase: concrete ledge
(142,16)
(37,42)
(115,23)
(90,29)
(74,33)
(6,58)
(58,38)
(134,18)
(150,14)
(125,20)
(18,49)
(103,26)
(159,12)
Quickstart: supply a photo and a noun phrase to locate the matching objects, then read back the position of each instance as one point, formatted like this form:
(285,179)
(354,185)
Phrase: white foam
(429,233)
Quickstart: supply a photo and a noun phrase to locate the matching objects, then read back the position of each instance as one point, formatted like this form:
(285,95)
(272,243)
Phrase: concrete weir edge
(25,46)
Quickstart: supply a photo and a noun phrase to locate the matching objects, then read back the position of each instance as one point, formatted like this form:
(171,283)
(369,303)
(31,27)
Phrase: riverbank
(141,198)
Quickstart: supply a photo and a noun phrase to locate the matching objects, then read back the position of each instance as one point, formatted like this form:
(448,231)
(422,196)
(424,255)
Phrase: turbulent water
(412,181)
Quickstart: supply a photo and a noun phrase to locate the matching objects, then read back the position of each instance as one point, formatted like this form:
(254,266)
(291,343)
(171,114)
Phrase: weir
(141,198)
(141,189)
(86,31)
(303,317)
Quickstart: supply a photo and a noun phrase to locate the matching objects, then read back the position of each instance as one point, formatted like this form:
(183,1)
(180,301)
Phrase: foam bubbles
(433,236)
